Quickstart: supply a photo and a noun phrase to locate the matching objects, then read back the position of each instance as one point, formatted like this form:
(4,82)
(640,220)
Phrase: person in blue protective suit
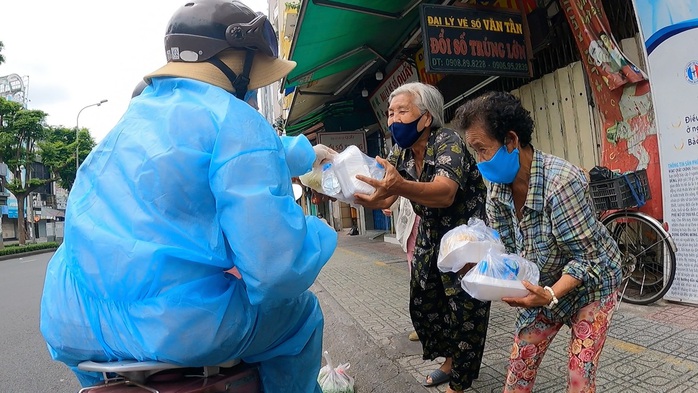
(192,183)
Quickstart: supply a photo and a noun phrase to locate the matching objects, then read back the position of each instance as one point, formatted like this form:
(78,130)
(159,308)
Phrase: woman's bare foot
(446,366)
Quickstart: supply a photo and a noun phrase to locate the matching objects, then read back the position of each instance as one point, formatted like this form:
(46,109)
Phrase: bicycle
(649,252)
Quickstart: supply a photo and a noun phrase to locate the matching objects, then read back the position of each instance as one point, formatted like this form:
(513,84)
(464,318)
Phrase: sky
(79,52)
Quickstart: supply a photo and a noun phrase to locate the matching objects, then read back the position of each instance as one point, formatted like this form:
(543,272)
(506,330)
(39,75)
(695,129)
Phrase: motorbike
(130,376)
(158,377)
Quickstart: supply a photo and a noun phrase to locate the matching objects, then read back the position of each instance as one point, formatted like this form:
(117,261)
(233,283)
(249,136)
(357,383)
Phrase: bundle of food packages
(337,178)
(495,274)
(467,244)
(500,275)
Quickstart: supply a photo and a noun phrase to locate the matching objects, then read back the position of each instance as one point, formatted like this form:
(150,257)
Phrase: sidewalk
(14,242)
(364,293)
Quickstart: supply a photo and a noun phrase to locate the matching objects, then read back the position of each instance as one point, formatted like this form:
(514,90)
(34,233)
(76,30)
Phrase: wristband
(554,301)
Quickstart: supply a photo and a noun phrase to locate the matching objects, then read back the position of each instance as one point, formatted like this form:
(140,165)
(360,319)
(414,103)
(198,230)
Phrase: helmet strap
(239,82)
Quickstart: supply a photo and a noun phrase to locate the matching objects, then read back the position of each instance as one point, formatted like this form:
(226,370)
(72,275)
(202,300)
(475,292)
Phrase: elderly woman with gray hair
(430,166)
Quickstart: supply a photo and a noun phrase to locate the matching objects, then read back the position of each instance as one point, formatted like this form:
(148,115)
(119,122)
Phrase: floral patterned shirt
(559,232)
(446,156)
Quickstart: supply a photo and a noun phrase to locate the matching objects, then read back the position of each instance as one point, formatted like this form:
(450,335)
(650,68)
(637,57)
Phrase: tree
(20,131)
(58,152)
(2,58)
(24,140)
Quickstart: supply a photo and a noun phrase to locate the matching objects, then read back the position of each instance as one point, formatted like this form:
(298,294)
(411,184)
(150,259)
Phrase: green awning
(308,99)
(335,109)
(334,36)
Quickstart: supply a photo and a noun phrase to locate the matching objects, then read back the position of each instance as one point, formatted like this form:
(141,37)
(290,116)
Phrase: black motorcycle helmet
(202,29)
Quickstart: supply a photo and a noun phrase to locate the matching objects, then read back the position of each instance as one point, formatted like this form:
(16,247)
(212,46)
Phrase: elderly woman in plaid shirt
(540,205)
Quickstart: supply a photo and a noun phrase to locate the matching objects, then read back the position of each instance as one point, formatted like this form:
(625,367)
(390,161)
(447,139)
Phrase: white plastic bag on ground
(335,380)
(467,244)
(500,275)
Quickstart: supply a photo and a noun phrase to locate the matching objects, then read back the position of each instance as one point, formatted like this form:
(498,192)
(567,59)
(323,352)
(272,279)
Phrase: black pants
(449,326)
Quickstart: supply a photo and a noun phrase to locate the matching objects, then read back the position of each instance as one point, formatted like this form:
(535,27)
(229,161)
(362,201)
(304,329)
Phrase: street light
(77,130)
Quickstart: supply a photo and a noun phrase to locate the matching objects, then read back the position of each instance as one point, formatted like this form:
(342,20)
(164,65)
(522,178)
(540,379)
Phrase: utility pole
(30,217)
(77,135)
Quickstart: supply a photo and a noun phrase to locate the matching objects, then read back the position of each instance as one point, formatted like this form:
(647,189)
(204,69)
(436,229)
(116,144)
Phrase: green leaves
(25,138)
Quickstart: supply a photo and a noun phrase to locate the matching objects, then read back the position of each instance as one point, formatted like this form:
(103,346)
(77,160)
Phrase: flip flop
(438,377)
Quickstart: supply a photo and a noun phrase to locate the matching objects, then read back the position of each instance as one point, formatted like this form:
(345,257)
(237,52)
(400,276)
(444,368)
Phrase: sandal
(438,377)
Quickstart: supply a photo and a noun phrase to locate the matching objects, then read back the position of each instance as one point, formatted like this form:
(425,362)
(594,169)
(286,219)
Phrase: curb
(26,254)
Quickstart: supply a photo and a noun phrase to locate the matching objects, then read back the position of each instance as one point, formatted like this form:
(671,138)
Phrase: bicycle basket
(628,190)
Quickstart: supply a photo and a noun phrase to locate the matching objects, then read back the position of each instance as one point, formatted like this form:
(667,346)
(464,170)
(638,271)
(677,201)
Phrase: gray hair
(426,97)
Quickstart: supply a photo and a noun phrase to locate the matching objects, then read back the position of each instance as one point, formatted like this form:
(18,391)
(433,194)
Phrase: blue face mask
(502,167)
(405,134)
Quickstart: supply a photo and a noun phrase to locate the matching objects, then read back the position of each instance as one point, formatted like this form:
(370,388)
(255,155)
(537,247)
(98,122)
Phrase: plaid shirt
(560,232)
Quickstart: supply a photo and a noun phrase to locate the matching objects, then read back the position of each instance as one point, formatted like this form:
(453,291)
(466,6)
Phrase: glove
(322,154)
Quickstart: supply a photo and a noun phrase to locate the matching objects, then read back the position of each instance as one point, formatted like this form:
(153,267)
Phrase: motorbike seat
(138,372)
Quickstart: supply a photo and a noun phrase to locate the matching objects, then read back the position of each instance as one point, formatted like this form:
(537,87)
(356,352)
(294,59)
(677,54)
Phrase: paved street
(650,348)
(363,291)
(25,365)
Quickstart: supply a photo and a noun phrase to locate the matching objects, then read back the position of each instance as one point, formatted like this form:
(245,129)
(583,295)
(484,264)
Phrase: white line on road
(22,260)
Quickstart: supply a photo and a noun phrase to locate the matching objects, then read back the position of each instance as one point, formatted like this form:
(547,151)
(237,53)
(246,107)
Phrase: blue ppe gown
(189,183)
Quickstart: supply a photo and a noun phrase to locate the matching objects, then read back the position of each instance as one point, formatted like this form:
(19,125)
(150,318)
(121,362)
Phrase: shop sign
(473,40)
(404,73)
(670,30)
(424,76)
(341,140)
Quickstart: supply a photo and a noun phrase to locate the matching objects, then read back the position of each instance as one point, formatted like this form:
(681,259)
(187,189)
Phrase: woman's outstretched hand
(537,297)
(385,188)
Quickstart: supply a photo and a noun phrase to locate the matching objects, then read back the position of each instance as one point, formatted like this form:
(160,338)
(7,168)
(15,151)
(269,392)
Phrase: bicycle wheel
(649,259)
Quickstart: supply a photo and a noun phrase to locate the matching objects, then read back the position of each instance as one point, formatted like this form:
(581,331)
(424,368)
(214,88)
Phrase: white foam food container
(468,252)
(491,289)
(347,165)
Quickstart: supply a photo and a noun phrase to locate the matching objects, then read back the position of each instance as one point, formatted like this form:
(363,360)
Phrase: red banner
(622,94)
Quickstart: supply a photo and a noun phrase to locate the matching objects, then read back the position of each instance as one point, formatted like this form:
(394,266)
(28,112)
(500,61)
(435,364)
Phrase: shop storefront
(578,67)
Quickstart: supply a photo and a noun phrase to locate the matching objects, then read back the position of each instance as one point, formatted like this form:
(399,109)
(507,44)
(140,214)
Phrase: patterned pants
(589,328)
(449,326)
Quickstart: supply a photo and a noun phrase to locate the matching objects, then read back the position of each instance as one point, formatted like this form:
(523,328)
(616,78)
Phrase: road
(25,364)
(363,292)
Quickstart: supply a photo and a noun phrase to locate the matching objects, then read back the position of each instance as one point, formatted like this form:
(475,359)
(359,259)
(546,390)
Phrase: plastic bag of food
(467,244)
(338,176)
(351,162)
(313,179)
(500,275)
(335,379)
(330,184)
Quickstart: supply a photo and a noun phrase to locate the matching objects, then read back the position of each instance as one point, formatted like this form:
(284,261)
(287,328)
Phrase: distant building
(14,88)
